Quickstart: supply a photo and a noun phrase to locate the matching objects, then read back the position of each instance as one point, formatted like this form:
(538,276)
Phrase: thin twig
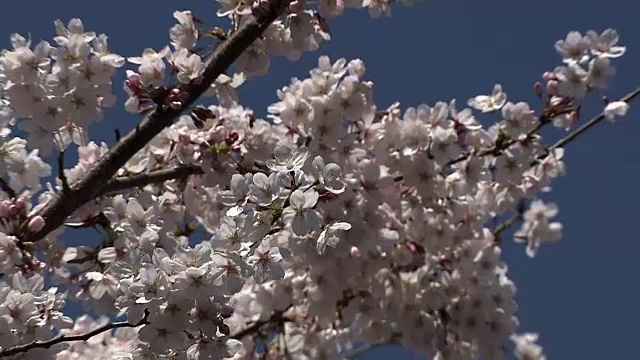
(586,126)
(64,204)
(505,225)
(68,338)
(592,122)
(517,216)
(158,176)
(256,326)
(567,139)
(152,177)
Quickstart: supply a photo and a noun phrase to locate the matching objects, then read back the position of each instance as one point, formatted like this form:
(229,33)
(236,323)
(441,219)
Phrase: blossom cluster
(57,92)
(329,223)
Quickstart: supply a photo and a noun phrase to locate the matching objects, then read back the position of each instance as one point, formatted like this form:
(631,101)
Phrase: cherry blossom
(221,234)
(615,108)
(489,103)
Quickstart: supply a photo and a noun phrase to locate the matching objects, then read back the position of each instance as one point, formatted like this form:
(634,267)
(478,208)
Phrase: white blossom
(615,108)
(219,230)
(489,103)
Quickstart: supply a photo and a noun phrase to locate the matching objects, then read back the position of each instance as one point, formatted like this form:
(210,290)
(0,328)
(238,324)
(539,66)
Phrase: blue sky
(581,293)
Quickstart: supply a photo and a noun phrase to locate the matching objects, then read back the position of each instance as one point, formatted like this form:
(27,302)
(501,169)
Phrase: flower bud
(5,209)
(22,205)
(548,76)
(537,88)
(552,87)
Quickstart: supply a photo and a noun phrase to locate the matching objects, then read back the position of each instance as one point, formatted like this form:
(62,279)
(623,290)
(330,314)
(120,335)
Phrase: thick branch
(65,203)
(152,177)
(66,338)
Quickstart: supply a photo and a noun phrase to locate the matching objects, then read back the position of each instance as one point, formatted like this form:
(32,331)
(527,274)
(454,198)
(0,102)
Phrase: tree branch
(589,124)
(256,326)
(158,176)
(65,203)
(152,177)
(517,215)
(567,139)
(67,338)
(579,131)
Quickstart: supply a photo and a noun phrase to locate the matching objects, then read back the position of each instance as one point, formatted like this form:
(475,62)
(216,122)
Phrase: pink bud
(548,75)
(22,205)
(537,88)
(552,87)
(134,83)
(36,224)
(5,208)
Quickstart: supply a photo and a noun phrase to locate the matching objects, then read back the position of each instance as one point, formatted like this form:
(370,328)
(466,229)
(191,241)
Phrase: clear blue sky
(580,294)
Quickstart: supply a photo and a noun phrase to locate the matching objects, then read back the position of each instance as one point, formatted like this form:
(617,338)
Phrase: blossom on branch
(220,234)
